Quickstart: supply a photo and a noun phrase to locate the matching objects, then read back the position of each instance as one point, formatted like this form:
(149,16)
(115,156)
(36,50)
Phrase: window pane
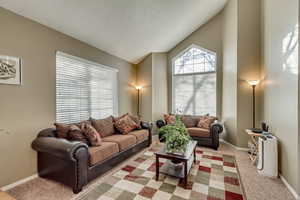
(195,60)
(83,90)
(195,93)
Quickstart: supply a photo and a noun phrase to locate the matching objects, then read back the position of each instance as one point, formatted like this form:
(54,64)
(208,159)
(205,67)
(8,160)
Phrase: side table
(253,154)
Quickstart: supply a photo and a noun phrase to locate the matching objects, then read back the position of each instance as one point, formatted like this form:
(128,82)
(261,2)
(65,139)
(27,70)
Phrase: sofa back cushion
(105,127)
(190,121)
(124,141)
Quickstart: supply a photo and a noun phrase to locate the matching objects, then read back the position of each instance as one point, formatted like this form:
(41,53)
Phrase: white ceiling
(129,29)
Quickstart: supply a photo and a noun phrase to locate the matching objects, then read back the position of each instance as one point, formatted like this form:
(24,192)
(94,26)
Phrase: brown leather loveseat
(75,164)
(208,137)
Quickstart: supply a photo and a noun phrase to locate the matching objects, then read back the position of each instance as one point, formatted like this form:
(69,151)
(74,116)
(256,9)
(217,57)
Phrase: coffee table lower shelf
(176,171)
(186,161)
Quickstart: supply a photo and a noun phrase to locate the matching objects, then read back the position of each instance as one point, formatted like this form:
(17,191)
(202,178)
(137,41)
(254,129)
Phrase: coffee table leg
(185,175)
(157,167)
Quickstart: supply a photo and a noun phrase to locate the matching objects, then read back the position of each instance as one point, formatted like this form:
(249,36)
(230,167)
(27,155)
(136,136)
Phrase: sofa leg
(77,190)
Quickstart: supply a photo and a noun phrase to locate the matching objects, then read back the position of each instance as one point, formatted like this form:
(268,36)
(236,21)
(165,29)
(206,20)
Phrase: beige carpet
(256,187)
(213,176)
(5,196)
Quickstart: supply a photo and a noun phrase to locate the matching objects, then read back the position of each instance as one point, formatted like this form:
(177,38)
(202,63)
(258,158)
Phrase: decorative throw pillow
(117,118)
(105,127)
(136,120)
(170,119)
(62,130)
(75,134)
(125,125)
(91,134)
(206,121)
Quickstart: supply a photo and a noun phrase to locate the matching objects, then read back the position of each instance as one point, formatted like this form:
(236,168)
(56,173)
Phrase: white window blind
(84,89)
(194,82)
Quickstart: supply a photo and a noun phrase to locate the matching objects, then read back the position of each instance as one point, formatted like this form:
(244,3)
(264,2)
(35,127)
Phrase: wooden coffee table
(185,160)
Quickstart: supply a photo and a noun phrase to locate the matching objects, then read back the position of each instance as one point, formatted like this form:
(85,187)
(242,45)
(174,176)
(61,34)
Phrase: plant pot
(177,165)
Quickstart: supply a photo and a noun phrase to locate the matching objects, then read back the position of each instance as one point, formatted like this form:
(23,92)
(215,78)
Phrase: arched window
(194,82)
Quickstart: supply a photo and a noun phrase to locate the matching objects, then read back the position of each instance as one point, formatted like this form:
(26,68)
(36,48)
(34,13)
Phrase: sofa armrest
(148,126)
(61,148)
(160,123)
(49,132)
(216,128)
(145,125)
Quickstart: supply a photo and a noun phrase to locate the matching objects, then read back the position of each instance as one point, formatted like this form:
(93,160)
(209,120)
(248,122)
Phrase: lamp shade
(253,82)
(138,87)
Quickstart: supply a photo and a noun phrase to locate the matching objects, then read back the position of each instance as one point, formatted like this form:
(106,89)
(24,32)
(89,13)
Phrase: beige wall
(144,79)
(229,97)
(30,107)
(242,62)
(160,87)
(208,36)
(152,75)
(280,72)
(249,64)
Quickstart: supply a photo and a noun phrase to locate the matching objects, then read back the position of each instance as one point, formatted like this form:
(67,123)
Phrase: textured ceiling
(129,29)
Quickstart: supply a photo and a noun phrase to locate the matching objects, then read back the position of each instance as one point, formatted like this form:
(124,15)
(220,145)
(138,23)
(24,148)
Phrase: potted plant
(175,136)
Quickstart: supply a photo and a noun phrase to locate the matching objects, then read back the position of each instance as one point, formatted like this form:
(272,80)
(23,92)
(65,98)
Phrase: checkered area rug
(213,177)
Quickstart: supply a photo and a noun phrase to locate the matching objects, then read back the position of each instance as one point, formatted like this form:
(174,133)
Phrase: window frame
(101,66)
(194,73)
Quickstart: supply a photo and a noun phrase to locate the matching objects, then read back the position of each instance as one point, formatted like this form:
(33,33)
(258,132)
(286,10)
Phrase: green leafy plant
(175,136)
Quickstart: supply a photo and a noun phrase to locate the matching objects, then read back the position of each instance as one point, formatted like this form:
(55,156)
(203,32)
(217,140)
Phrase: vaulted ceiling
(129,29)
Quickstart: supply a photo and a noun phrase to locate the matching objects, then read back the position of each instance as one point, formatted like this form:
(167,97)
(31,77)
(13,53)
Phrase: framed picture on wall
(10,70)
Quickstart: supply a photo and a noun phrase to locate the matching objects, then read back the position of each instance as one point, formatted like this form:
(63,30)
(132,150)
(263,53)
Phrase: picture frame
(10,70)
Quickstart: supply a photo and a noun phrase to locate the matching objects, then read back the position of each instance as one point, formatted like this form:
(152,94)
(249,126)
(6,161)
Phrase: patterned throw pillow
(136,120)
(125,124)
(170,119)
(62,130)
(91,134)
(206,121)
(105,127)
(75,134)
(117,118)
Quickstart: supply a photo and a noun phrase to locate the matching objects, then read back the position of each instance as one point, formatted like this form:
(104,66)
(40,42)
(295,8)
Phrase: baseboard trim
(290,188)
(24,180)
(237,148)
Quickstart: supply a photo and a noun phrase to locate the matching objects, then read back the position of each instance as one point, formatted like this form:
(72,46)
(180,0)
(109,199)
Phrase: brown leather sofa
(205,137)
(75,164)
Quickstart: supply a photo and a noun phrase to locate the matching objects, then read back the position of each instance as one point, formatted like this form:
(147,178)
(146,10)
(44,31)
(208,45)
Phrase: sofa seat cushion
(199,132)
(100,153)
(140,135)
(124,141)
